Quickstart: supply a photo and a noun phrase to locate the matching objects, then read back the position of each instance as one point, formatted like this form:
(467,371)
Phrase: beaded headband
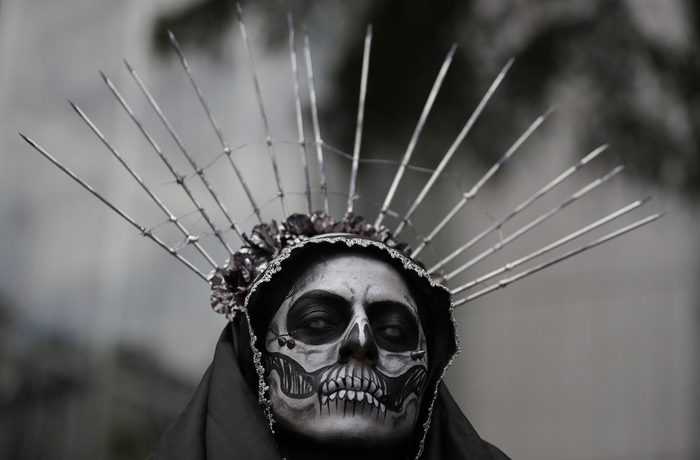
(231,281)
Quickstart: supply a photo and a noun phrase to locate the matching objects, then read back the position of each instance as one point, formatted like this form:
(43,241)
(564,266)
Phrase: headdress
(231,280)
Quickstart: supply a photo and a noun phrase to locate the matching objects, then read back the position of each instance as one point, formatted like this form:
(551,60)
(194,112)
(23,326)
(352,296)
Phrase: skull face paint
(345,354)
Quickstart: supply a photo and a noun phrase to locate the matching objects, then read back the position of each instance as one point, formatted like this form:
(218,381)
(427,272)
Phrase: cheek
(289,408)
(310,357)
(394,364)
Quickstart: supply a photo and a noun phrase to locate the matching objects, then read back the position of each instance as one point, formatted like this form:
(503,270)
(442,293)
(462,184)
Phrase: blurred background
(103,336)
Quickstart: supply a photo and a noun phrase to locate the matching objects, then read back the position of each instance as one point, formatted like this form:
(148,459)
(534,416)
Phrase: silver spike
(416,135)
(314,117)
(503,283)
(552,246)
(453,148)
(518,233)
(300,115)
(475,189)
(161,115)
(178,178)
(189,238)
(261,106)
(360,120)
(496,225)
(144,231)
(219,134)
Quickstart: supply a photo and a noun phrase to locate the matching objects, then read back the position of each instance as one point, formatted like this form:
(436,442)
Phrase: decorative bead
(418,354)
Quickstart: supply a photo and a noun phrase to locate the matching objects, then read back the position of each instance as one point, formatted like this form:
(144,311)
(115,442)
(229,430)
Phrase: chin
(346,421)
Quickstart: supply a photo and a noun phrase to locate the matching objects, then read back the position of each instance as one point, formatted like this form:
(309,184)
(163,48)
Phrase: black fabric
(224,420)
(451,436)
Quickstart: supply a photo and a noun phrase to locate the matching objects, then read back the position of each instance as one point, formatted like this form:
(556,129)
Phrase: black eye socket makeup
(318,317)
(395,328)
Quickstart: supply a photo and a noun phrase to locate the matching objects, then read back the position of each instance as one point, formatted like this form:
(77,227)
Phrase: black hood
(230,416)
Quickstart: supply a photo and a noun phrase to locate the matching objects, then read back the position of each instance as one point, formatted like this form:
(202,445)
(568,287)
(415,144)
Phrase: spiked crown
(231,281)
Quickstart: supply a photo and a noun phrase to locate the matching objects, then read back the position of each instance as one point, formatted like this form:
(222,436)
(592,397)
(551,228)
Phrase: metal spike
(314,118)
(416,135)
(144,231)
(496,225)
(300,115)
(503,283)
(198,170)
(171,217)
(550,247)
(518,233)
(219,134)
(178,178)
(475,189)
(453,148)
(261,106)
(360,120)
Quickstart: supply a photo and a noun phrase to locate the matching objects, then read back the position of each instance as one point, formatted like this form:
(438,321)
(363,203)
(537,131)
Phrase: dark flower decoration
(230,284)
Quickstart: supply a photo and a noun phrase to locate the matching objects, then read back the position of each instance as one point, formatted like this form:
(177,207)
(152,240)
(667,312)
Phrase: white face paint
(346,355)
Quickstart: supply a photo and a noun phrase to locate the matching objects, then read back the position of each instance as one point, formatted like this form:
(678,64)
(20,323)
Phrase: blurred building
(58,400)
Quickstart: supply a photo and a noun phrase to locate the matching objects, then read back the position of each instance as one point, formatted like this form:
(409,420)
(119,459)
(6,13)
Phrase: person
(338,350)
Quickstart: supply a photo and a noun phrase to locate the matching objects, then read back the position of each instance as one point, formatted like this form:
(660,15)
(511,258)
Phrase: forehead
(355,276)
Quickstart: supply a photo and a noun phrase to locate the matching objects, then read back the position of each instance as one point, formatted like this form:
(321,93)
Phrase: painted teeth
(352,395)
(354,385)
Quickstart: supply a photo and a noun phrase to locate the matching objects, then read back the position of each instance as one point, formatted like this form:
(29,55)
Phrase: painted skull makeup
(345,354)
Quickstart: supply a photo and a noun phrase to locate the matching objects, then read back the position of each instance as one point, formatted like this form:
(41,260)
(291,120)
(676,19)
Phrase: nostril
(362,349)
(345,353)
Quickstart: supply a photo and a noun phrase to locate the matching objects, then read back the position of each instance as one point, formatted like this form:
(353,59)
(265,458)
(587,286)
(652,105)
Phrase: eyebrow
(328,296)
(320,294)
(412,310)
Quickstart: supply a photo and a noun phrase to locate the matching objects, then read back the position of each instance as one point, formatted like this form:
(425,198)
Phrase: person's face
(346,356)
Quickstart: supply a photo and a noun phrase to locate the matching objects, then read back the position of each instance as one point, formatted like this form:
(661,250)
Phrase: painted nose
(359,345)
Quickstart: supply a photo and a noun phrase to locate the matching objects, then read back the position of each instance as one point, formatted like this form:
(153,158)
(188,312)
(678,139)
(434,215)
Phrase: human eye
(395,329)
(392,332)
(322,324)
(316,326)
(317,318)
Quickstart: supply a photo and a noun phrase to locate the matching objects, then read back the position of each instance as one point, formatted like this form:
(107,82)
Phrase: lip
(352,377)
(359,384)
(353,396)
